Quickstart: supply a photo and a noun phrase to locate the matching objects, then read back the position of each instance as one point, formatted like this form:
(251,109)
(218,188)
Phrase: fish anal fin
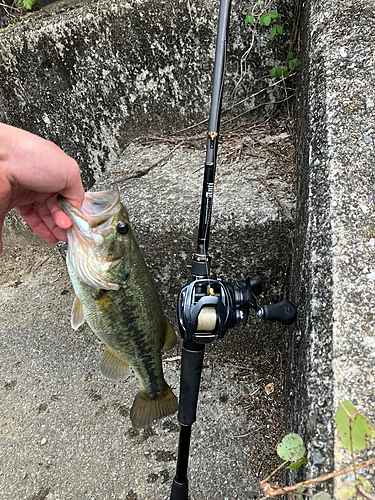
(170,337)
(78,316)
(145,409)
(113,367)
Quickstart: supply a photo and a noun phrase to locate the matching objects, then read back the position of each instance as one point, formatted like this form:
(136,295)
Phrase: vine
(262,14)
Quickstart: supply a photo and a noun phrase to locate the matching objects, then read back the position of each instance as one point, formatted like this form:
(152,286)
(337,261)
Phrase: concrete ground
(65,431)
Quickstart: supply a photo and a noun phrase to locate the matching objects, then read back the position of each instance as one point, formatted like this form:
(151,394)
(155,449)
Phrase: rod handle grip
(284,312)
(179,491)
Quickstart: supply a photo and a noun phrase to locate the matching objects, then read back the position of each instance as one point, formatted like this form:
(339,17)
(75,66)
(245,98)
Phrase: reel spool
(207,320)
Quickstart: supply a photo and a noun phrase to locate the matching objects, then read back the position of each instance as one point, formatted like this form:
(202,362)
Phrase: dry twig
(272,490)
(287,213)
(140,173)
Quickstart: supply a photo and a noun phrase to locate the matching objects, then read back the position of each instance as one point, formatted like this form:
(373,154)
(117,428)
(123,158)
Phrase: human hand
(33,172)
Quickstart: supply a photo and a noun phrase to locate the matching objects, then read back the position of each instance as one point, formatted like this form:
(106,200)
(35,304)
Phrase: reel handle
(284,312)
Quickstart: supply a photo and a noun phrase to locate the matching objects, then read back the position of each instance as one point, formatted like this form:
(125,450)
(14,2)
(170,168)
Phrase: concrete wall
(333,348)
(92,75)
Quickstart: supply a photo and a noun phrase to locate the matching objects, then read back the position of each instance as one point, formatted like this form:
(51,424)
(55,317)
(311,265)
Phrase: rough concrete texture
(65,431)
(333,349)
(91,75)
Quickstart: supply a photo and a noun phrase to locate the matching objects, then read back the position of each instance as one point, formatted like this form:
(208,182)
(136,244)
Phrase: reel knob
(284,312)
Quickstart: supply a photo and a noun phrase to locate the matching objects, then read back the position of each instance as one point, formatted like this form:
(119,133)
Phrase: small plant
(291,449)
(356,433)
(284,71)
(261,12)
(265,20)
(26,4)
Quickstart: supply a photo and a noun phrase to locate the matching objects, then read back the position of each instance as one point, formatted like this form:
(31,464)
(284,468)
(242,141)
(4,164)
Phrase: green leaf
(290,64)
(291,447)
(297,465)
(249,19)
(279,71)
(362,429)
(322,495)
(273,33)
(267,21)
(349,489)
(273,72)
(290,56)
(286,74)
(273,14)
(295,63)
(279,29)
(365,484)
(26,4)
(285,68)
(249,11)
(300,497)
(261,20)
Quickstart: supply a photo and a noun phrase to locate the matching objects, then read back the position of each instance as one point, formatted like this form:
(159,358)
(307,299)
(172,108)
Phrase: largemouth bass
(116,295)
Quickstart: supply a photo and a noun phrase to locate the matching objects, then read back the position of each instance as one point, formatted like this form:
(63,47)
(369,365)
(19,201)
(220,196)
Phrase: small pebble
(318,458)
(43,441)
(367,139)
(369,342)
(343,52)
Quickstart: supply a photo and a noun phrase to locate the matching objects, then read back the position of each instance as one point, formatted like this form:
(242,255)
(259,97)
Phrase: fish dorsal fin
(170,337)
(78,316)
(113,367)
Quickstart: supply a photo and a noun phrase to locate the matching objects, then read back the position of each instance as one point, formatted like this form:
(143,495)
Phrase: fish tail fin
(145,409)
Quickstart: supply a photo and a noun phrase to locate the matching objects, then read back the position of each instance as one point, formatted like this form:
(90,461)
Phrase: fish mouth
(90,224)
(96,209)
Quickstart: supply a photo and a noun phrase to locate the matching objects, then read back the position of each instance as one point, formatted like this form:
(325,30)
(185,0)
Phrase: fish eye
(122,228)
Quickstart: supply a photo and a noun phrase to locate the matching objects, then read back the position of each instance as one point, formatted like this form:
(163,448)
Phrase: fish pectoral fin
(78,316)
(146,409)
(170,337)
(113,367)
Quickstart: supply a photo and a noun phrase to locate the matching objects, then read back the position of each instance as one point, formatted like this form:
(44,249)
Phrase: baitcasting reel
(207,308)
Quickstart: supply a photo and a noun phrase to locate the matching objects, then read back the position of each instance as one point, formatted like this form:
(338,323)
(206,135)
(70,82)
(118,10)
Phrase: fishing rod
(207,307)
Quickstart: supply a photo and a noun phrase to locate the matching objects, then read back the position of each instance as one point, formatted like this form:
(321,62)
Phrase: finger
(45,214)
(74,191)
(31,216)
(59,217)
